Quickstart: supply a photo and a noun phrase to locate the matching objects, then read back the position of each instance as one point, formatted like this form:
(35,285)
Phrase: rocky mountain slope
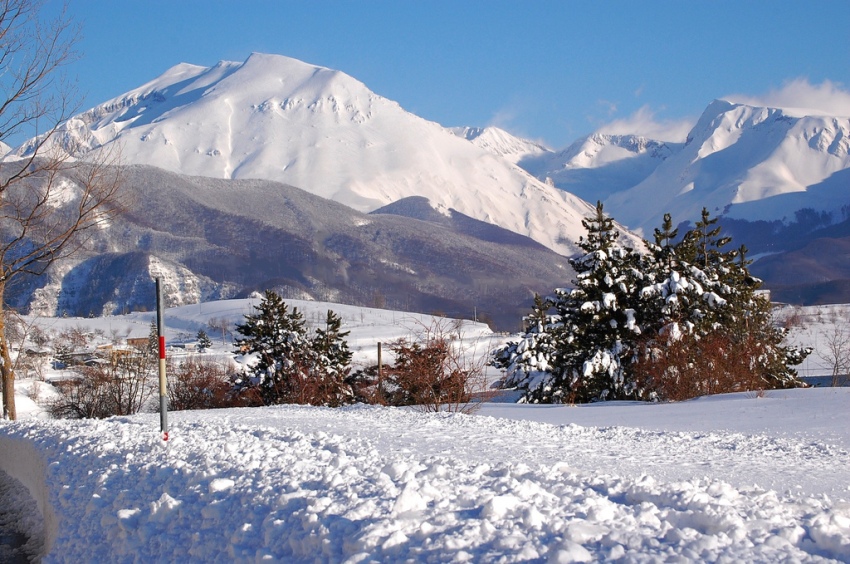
(217,238)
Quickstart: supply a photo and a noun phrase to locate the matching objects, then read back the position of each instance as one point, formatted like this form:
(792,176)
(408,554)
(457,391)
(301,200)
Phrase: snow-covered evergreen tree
(587,343)
(710,318)
(286,364)
(276,343)
(529,361)
(332,363)
(204,341)
(606,335)
(681,290)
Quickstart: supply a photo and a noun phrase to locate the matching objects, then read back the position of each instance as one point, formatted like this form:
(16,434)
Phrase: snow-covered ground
(742,477)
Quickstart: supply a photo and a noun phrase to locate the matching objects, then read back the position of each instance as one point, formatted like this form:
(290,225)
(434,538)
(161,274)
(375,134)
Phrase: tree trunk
(6,371)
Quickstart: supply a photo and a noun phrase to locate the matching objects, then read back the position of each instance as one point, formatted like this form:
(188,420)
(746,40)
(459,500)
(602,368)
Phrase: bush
(433,374)
(199,383)
(119,385)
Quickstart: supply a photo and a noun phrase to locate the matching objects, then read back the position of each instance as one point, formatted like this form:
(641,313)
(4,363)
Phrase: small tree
(220,324)
(277,342)
(332,363)
(204,341)
(836,354)
(530,360)
(152,346)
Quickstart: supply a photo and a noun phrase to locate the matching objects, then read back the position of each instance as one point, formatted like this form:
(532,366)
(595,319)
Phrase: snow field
(740,477)
(368,484)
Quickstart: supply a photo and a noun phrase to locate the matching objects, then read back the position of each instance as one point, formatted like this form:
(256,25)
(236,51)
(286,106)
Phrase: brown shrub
(432,374)
(118,385)
(199,383)
(698,366)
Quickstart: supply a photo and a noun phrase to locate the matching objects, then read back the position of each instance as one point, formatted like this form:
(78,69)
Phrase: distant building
(138,342)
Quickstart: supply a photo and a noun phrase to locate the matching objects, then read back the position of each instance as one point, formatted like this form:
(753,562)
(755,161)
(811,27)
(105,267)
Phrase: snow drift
(367,484)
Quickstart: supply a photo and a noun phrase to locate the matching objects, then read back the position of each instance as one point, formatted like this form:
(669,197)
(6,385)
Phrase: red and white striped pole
(163,391)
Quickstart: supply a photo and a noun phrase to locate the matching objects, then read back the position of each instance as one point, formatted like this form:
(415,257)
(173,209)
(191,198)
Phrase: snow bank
(23,461)
(368,484)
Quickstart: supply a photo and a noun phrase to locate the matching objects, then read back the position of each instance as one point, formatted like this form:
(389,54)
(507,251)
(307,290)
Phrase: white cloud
(644,122)
(504,118)
(826,98)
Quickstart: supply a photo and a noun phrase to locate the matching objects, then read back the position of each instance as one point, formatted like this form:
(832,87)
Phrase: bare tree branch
(51,201)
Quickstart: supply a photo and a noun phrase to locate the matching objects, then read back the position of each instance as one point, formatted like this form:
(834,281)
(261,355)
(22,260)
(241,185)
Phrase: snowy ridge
(598,150)
(600,165)
(276,118)
(500,142)
(744,162)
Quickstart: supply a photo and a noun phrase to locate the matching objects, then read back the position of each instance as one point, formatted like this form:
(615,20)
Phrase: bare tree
(836,352)
(220,324)
(49,199)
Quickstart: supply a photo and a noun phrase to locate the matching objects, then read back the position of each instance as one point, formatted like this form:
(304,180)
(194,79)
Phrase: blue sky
(547,70)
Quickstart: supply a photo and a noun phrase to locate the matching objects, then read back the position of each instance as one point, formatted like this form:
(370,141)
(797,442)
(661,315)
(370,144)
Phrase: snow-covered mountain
(276,118)
(740,161)
(599,165)
(744,162)
(502,143)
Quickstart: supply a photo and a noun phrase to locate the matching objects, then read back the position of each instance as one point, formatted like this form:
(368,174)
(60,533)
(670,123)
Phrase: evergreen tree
(597,321)
(332,363)
(677,292)
(204,341)
(530,360)
(278,341)
(153,340)
(710,318)
(640,325)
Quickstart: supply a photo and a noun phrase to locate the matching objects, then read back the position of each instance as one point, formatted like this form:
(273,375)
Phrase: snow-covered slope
(599,165)
(276,118)
(500,142)
(744,162)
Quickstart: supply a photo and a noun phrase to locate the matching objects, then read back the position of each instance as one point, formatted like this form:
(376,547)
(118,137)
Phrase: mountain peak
(500,142)
(744,162)
(276,118)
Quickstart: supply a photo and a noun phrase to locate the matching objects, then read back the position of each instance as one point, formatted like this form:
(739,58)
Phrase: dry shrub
(690,367)
(119,385)
(199,383)
(433,374)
